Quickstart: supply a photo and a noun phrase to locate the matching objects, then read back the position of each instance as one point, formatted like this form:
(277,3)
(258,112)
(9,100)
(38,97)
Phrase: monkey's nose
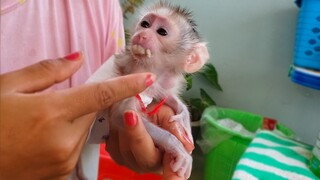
(143,37)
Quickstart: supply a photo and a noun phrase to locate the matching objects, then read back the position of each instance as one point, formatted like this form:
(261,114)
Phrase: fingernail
(130,119)
(149,80)
(73,56)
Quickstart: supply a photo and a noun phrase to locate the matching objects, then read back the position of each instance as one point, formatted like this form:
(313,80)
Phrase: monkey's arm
(182,161)
(104,72)
(182,114)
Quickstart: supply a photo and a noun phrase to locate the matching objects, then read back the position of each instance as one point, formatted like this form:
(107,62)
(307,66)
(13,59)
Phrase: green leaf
(210,73)
(206,99)
(195,114)
(188,79)
(137,3)
(127,35)
(196,103)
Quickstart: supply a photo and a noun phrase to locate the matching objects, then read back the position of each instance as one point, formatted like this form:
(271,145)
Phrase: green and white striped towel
(274,157)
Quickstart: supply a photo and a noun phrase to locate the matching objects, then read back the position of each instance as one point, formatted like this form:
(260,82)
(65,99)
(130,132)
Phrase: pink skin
(148,38)
(160,33)
(144,38)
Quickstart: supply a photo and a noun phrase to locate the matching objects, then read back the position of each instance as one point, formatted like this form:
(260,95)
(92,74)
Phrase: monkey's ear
(197,58)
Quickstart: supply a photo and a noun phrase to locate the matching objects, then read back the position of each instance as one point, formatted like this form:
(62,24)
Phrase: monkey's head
(166,36)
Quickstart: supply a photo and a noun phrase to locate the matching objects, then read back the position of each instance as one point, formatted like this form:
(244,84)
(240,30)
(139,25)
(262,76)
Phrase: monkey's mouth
(140,51)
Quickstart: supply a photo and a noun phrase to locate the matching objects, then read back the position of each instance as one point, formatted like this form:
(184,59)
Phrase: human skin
(129,153)
(42,133)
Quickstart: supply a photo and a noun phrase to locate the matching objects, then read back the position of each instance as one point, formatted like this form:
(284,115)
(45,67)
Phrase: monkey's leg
(182,160)
(182,115)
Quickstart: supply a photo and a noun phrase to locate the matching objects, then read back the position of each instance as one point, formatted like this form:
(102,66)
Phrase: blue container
(307,47)
(305,77)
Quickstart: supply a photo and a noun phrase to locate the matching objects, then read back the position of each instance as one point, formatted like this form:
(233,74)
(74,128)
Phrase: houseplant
(199,103)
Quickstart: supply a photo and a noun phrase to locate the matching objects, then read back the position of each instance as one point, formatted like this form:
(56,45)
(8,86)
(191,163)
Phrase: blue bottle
(305,77)
(307,47)
(306,67)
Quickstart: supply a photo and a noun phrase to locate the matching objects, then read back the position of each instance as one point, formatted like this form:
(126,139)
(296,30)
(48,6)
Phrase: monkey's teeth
(148,53)
(137,49)
(133,48)
(141,50)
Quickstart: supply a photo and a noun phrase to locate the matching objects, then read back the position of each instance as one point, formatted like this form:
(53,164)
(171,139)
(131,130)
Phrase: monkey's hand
(182,116)
(181,162)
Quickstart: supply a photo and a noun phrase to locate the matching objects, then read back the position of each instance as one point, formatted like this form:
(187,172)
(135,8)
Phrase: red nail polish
(130,119)
(149,80)
(73,57)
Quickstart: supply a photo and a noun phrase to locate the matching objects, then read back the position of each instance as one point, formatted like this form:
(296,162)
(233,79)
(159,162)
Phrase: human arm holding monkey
(42,133)
(25,115)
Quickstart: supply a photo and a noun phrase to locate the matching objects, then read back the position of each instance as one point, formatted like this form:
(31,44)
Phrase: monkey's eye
(145,24)
(162,32)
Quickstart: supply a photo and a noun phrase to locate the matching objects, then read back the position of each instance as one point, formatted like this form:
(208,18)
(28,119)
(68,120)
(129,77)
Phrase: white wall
(251,44)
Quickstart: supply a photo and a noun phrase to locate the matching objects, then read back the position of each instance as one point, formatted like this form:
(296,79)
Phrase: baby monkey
(167,44)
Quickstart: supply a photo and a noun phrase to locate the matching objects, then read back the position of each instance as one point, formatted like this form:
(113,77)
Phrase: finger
(163,120)
(147,156)
(97,96)
(126,153)
(168,174)
(42,75)
(112,145)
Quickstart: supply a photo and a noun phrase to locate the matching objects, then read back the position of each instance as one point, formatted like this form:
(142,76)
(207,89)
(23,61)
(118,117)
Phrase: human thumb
(139,140)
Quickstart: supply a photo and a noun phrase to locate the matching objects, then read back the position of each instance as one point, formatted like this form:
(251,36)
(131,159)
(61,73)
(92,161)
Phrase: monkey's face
(155,36)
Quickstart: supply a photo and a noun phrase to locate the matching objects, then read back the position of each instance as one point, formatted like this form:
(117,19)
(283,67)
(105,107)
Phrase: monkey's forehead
(163,11)
(166,13)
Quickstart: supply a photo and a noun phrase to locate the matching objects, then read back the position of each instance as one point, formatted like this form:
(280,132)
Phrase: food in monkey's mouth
(139,50)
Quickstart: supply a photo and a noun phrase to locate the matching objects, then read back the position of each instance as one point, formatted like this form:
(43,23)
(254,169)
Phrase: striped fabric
(274,157)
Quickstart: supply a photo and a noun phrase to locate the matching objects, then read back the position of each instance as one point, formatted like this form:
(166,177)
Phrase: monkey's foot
(182,164)
(181,118)
(185,122)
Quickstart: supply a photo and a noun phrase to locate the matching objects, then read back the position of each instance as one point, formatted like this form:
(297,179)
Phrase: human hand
(42,133)
(134,148)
